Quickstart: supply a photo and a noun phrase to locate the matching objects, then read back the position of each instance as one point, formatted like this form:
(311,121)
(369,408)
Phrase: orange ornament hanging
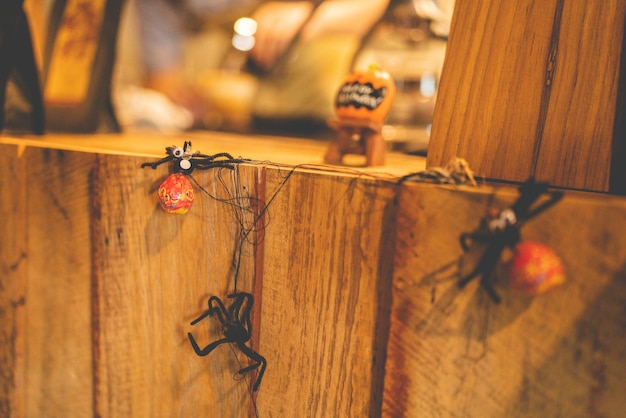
(535,268)
(176,194)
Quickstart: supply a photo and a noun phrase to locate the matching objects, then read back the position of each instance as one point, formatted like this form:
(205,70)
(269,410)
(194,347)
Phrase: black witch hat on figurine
(20,91)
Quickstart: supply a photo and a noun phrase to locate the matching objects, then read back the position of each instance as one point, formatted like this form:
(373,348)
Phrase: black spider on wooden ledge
(501,230)
(185,160)
(237,329)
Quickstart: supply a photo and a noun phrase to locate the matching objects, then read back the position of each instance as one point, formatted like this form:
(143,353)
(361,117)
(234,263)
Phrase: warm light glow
(243,43)
(245,26)
(428,85)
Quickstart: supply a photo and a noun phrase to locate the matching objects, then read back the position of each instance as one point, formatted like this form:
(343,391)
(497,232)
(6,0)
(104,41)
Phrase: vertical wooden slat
(13,256)
(579,133)
(154,273)
(58,346)
(327,269)
(529,88)
(491,85)
(453,352)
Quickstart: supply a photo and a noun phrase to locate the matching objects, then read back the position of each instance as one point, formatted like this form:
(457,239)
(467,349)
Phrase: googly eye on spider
(176,193)
(534,268)
(178,152)
(501,220)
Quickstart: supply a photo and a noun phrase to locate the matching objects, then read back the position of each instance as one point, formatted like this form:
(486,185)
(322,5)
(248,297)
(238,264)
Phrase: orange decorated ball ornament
(366,95)
(535,268)
(176,194)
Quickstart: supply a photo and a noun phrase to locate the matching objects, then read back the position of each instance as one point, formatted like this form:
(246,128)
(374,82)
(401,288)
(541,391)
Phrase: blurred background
(268,67)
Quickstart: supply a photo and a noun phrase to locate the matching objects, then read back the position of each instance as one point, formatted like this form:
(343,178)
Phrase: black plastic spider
(185,160)
(502,230)
(237,329)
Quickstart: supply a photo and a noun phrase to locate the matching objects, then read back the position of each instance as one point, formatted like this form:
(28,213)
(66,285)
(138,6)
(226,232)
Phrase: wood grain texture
(98,287)
(453,352)
(58,345)
(12,281)
(281,150)
(326,287)
(530,88)
(154,273)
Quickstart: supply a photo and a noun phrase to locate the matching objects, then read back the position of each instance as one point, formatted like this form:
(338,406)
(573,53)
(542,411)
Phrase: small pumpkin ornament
(535,268)
(366,95)
(176,194)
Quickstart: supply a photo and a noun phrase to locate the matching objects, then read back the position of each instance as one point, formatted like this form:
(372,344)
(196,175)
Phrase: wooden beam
(530,88)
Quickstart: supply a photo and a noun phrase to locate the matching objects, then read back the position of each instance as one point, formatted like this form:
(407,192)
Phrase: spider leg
(216,307)
(221,155)
(235,309)
(212,310)
(554,198)
(206,350)
(468,278)
(155,164)
(201,317)
(207,165)
(260,364)
(484,282)
(466,239)
(485,268)
(480,235)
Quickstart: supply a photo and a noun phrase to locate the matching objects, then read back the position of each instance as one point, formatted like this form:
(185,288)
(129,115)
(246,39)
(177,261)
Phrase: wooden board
(47,290)
(154,273)
(529,88)
(12,281)
(453,352)
(281,150)
(58,298)
(326,293)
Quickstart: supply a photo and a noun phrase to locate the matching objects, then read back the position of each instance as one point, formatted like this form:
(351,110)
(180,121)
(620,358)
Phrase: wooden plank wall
(113,282)
(357,309)
(454,352)
(530,88)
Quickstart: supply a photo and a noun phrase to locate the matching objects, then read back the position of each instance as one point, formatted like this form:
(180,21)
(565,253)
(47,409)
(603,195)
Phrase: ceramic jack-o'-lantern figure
(361,106)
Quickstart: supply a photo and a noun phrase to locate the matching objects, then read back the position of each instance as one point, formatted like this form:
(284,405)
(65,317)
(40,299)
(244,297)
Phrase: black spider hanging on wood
(502,230)
(185,160)
(236,328)
(176,193)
